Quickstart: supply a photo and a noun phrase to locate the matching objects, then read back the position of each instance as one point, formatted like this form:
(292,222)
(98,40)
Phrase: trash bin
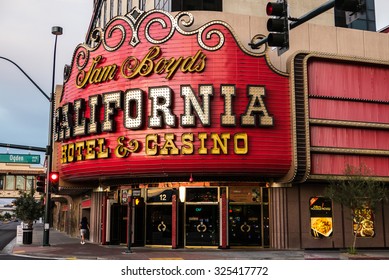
(27,234)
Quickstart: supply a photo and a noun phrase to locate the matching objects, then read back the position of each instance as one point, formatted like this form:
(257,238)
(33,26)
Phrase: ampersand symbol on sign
(123,150)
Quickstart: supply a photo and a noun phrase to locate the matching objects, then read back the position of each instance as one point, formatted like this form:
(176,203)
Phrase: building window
(30,182)
(119,11)
(111,9)
(105,13)
(20,182)
(366,20)
(164,5)
(192,5)
(142,5)
(10,183)
(129,5)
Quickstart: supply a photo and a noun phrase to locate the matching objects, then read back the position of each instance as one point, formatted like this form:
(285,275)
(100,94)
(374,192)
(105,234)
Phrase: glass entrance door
(118,231)
(245,227)
(159,216)
(202,225)
(248,216)
(159,225)
(202,217)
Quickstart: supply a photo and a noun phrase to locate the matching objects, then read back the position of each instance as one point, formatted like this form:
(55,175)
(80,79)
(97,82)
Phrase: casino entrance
(195,216)
(201,215)
(159,212)
(196,221)
(248,216)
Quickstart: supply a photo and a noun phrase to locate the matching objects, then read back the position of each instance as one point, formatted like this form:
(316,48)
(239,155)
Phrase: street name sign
(20,158)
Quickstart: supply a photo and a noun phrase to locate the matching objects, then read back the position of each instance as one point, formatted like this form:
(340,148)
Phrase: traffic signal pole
(23,147)
(321,9)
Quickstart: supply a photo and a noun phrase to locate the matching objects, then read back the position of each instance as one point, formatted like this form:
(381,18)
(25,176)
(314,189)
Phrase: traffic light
(139,201)
(40,183)
(54,181)
(278,25)
(349,5)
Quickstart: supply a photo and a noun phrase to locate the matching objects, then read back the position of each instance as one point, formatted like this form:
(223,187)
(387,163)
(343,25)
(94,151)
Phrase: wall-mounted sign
(159,195)
(363,222)
(124,196)
(136,192)
(245,194)
(321,217)
(151,98)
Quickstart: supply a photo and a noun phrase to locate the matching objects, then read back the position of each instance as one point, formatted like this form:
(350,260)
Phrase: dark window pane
(212,5)
(201,195)
(370,4)
(193,5)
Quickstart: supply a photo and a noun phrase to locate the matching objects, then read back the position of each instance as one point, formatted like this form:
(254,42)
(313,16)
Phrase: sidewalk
(63,246)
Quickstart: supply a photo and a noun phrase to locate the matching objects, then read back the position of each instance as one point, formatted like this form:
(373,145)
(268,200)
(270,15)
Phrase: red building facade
(183,136)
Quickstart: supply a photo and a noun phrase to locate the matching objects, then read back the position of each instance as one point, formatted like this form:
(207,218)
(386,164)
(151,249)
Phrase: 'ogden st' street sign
(19,158)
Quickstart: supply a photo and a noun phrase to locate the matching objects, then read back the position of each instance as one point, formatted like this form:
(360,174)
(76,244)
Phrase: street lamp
(55,30)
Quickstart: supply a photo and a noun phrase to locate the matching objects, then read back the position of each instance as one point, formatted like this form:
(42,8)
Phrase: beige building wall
(257,8)
(334,40)
(297,8)
(248,18)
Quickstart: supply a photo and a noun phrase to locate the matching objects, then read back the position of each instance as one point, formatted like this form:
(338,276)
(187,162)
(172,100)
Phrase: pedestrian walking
(84,227)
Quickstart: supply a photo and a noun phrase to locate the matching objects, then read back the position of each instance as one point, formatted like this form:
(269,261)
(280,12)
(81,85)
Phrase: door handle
(201,227)
(245,227)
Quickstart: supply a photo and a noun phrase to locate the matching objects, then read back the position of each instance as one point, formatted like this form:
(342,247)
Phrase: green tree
(7,216)
(358,191)
(28,209)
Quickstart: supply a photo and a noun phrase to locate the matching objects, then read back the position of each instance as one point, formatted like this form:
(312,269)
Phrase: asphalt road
(7,233)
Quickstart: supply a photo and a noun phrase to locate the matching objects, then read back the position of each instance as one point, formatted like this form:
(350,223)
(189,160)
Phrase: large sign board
(153,98)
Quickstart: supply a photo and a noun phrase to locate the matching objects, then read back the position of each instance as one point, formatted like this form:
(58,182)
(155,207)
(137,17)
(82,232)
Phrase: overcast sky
(382,9)
(26,39)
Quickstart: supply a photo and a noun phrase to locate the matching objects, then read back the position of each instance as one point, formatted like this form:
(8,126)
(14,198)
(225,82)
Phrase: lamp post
(55,30)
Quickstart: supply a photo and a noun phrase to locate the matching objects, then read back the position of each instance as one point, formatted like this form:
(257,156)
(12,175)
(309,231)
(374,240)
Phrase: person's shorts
(82,232)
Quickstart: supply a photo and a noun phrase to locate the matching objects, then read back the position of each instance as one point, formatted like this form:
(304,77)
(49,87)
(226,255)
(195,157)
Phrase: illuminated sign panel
(149,99)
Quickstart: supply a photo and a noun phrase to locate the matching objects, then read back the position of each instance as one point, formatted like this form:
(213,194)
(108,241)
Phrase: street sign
(20,158)
(19,234)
